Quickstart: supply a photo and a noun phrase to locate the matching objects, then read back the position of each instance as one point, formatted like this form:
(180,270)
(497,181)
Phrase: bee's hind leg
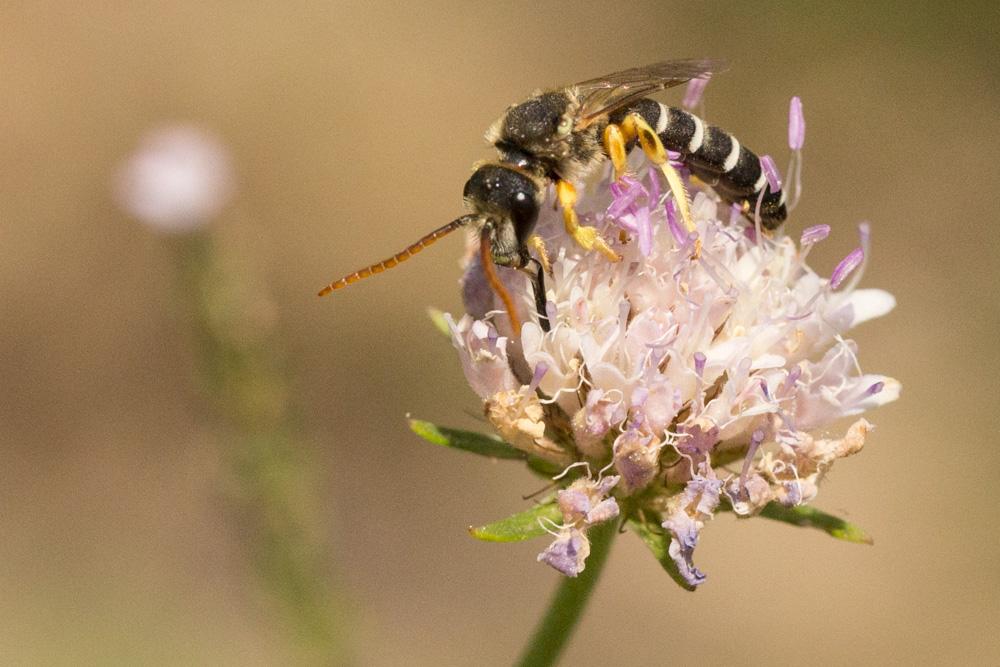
(587,237)
(634,126)
(616,148)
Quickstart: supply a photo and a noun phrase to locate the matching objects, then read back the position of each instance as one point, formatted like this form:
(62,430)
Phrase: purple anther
(814,234)
(755,440)
(551,312)
(796,125)
(695,88)
(540,370)
(875,388)
(645,225)
(771,172)
(680,236)
(654,188)
(735,213)
(865,233)
(699,363)
(846,266)
(625,195)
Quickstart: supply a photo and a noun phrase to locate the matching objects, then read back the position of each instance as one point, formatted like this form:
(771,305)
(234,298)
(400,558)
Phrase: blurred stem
(274,479)
(567,605)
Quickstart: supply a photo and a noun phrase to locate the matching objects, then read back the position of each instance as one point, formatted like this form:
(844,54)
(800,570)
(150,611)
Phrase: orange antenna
(400,256)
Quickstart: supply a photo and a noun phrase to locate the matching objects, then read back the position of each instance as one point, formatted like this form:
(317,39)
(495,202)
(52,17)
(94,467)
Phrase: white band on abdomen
(661,123)
(733,157)
(699,135)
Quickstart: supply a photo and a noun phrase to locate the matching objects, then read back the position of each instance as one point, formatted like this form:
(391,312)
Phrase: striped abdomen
(713,155)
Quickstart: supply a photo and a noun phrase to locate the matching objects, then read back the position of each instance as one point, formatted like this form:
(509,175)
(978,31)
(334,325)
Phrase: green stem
(566,608)
(273,485)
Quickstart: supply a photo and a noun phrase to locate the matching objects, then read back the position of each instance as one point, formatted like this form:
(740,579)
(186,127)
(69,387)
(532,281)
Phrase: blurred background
(129,472)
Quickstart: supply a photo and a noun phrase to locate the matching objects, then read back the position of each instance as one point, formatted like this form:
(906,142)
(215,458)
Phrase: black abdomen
(715,156)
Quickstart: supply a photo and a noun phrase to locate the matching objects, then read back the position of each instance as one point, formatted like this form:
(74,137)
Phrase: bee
(564,135)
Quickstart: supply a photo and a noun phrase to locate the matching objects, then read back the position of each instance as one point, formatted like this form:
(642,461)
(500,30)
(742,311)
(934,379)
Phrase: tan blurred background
(352,130)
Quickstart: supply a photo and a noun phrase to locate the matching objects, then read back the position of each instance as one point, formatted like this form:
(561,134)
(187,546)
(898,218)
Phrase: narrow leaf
(469,441)
(658,542)
(521,526)
(810,517)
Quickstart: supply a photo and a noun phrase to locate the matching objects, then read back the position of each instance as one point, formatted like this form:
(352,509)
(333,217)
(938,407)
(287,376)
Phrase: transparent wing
(606,94)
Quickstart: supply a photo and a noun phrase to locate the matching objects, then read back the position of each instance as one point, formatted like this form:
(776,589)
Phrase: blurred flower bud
(177,180)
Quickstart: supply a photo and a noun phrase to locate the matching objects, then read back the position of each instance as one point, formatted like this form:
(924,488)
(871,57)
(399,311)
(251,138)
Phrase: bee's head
(540,125)
(509,200)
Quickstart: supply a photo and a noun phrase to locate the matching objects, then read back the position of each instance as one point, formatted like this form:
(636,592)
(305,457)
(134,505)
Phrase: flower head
(703,368)
(178,179)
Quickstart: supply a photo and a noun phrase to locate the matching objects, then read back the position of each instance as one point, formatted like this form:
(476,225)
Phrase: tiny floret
(688,511)
(584,503)
(568,553)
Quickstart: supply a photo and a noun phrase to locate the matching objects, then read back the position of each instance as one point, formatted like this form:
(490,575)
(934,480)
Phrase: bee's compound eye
(523,209)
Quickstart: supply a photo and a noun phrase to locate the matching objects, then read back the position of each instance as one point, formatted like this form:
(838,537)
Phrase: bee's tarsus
(587,238)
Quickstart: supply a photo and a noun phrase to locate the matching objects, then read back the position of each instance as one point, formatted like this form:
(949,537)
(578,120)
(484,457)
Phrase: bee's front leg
(587,237)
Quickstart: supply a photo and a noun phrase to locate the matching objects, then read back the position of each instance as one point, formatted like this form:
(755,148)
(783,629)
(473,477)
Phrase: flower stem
(272,484)
(566,607)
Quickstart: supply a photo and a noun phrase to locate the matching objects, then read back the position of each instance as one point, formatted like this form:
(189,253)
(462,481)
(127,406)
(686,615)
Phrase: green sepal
(437,318)
(810,517)
(468,441)
(544,467)
(659,542)
(521,526)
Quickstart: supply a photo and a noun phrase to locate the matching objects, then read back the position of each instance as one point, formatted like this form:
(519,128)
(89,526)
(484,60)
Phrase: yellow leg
(536,243)
(635,127)
(614,146)
(586,237)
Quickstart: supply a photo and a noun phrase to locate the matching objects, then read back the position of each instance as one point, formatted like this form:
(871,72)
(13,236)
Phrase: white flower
(682,352)
(178,179)
(484,356)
